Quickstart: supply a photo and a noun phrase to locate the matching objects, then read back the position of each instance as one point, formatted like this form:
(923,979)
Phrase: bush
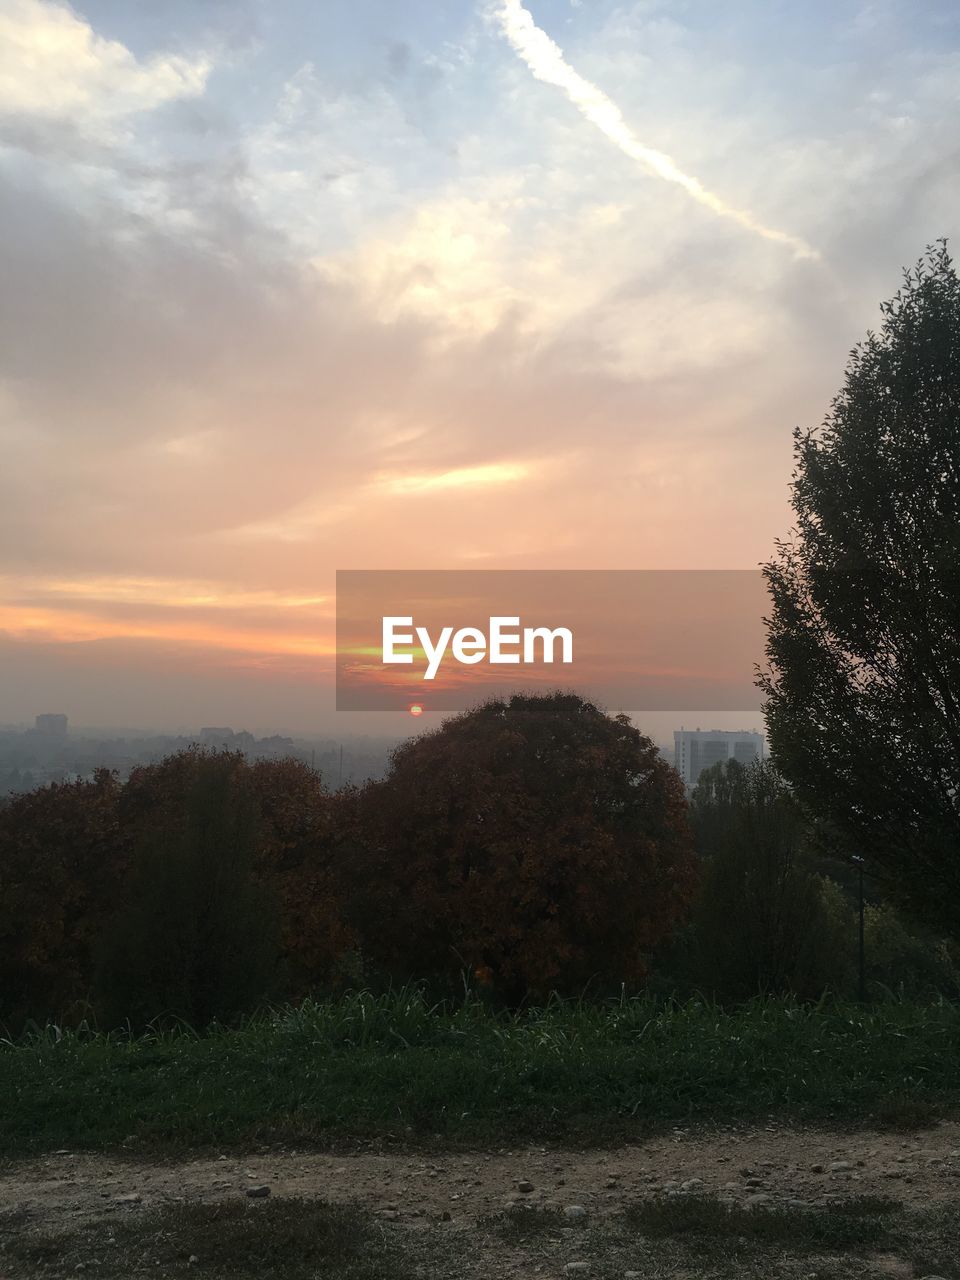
(913,965)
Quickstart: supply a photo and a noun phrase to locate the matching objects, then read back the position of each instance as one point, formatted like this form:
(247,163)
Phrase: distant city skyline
(54,750)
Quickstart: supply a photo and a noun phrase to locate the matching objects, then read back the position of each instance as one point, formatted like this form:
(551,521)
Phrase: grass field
(396,1069)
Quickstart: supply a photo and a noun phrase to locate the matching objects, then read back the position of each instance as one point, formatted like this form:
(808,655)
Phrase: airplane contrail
(545,59)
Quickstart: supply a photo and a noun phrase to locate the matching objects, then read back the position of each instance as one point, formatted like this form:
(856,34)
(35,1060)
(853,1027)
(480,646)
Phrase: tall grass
(398,1067)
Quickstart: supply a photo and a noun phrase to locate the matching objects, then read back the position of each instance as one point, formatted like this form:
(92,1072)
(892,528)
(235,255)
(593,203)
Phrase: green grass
(395,1069)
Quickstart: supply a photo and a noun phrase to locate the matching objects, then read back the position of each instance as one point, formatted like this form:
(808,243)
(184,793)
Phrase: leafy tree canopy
(537,841)
(863,685)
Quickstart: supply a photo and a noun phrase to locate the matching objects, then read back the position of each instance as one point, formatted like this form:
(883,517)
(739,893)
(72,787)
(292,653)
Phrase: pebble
(840,1166)
(132,1197)
(525,1186)
(573,1212)
(258,1193)
(754,1202)
(576,1268)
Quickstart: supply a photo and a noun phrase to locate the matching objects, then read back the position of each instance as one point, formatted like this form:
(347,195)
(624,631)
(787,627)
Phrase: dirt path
(66,1189)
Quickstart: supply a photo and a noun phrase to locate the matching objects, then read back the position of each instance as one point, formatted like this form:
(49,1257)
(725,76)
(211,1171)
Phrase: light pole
(861,973)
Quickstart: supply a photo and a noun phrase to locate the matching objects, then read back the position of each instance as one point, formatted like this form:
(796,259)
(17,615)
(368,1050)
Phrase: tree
(863,686)
(195,936)
(94,874)
(297,859)
(61,859)
(761,921)
(302,857)
(537,842)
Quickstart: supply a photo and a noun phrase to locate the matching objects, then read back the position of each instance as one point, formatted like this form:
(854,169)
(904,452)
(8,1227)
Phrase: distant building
(697,749)
(54,726)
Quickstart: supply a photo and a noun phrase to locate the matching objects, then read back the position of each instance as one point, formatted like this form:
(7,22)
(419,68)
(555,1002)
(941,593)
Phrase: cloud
(53,65)
(485,475)
(546,61)
(224,375)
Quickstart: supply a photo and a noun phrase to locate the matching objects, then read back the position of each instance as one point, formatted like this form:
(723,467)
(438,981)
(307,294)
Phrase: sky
(294,287)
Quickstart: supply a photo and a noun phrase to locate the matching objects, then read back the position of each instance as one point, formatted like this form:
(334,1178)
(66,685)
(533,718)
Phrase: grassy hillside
(397,1069)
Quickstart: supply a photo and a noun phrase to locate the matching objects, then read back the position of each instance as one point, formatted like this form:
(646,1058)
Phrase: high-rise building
(697,749)
(55,726)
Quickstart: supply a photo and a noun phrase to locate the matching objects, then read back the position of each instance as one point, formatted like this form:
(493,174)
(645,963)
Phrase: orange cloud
(46,625)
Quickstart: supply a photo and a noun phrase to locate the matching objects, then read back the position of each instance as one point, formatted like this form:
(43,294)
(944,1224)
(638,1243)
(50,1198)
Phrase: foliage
(863,690)
(194,936)
(762,921)
(301,857)
(61,857)
(296,854)
(913,964)
(89,872)
(538,842)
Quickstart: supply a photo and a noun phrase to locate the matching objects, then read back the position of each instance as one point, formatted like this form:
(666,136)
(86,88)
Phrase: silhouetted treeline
(30,759)
(528,846)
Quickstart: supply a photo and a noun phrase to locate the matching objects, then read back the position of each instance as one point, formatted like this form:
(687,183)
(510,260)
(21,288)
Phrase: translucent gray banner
(648,640)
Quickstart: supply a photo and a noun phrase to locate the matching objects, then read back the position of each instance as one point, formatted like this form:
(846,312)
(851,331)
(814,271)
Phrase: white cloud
(444,263)
(547,63)
(53,65)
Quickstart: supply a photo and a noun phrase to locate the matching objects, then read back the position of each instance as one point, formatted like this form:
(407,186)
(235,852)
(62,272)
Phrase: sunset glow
(494,285)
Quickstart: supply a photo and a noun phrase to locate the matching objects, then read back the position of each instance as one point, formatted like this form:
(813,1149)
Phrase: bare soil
(67,1189)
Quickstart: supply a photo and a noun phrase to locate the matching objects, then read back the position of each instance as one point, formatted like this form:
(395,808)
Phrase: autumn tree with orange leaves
(538,843)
